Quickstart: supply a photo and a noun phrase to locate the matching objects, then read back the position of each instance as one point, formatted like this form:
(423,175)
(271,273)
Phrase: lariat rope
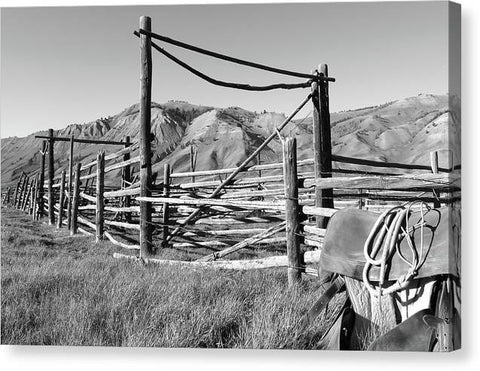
(384,240)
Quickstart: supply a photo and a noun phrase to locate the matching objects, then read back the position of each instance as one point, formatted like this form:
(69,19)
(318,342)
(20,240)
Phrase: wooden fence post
(165,211)
(42,180)
(360,199)
(61,200)
(7,197)
(292,211)
(434,166)
(51,173)
(22,191)
(31,205)
(70,183)
(99,209)
(75,201)
(127,180)
(36,198)
(26,194)
(146,245)
(193,156)
(259,163)
(16,195)
(322,143)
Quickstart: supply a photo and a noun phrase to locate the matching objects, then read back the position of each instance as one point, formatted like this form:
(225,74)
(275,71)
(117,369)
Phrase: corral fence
(279,207)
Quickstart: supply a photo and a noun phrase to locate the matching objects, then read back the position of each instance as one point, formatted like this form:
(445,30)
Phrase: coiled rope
(384,240)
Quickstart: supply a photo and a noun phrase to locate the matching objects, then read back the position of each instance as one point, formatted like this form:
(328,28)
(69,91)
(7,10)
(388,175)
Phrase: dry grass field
(61,290)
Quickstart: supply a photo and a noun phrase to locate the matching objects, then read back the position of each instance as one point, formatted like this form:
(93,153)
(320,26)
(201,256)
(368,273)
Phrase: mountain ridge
(404,130)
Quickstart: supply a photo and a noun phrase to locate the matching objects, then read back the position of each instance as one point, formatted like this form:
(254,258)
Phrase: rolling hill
(404,130)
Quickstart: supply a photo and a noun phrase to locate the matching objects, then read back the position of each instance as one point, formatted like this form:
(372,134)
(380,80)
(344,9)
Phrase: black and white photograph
(256,176)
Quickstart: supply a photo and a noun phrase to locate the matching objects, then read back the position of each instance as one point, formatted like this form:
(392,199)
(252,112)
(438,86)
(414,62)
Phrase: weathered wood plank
(76,201)
(87,197)
(253,168)
(165,208)
(309,257)
(437,181)
(292,211)
(314,230)
(318,211)
(243,181)
(61,200)
(121,244)
(247,242)
(122,192)
(51,173)
(270,205)
(123,224)
(99,211)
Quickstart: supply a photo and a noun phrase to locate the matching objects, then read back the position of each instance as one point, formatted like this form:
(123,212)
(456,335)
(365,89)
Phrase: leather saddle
(348,229)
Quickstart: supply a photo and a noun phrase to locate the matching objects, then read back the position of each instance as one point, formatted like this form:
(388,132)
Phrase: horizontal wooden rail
(318,211)
(359,161)
(122,224)
(87,197)
(436,181)
(232,59)
(226,232)
(245,243)
(271,205)
(232,221)
(79,140)
(314,230)
(274,166)
(119,209)
(121,244)
(112,156)
(86,222)
(311,242)
(243,181)
(266,241)
(309,257)
(122,164)
(268,193)
(122,192)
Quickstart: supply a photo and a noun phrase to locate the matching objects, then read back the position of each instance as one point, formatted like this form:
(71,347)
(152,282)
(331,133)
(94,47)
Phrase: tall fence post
(75,201)
(146,245)
(99,208)
(165,210)
(70,183)
(41,189)
(51,173)
(61,199)
(127,180)
(292,211)
(322,142)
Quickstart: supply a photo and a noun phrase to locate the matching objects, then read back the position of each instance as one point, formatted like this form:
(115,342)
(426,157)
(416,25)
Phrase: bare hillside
(405,130)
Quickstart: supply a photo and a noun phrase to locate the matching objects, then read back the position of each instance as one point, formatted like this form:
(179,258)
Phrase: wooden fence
(278,207)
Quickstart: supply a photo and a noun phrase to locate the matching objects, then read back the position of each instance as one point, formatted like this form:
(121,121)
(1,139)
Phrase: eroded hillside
(405,130)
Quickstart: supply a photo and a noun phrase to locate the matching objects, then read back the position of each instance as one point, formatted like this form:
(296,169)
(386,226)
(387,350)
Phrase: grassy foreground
(66,290)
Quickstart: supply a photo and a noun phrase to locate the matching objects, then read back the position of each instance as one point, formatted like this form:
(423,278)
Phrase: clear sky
(74,64)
